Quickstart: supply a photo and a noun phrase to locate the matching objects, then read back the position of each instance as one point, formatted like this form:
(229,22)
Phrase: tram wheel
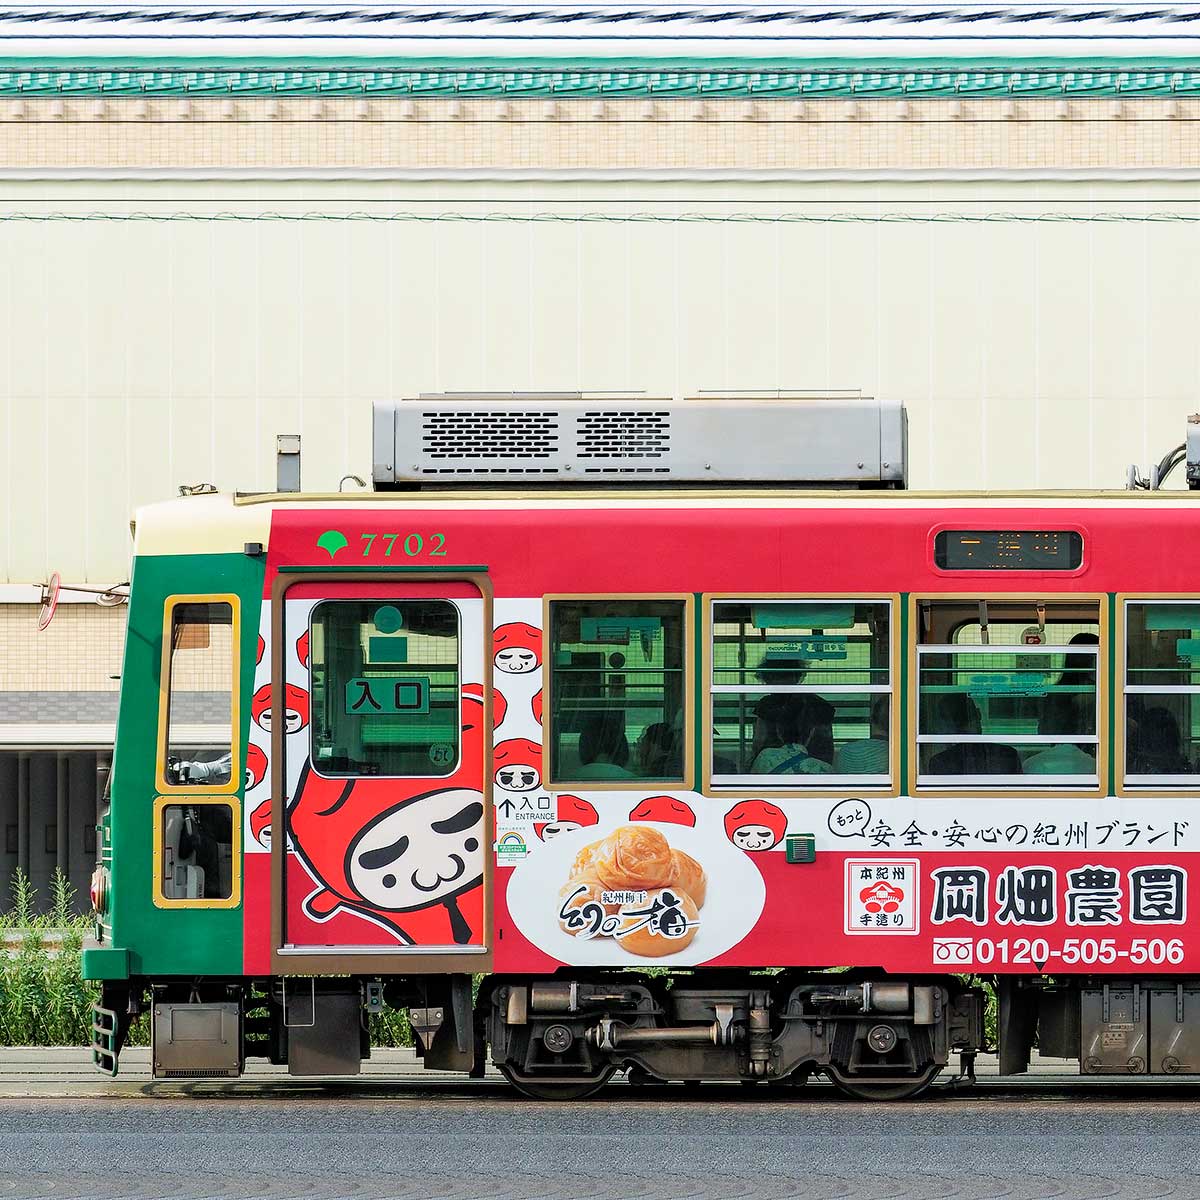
(555,1089)
(881,1090)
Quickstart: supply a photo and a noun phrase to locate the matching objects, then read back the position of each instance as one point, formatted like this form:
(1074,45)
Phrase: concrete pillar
(23,814)
(63,815)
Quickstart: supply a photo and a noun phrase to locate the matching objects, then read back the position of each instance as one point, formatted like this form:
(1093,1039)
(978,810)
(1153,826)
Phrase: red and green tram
(694,781)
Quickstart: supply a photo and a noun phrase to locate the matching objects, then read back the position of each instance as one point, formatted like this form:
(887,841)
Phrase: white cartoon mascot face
(518,763)
(423,851)
(518,648)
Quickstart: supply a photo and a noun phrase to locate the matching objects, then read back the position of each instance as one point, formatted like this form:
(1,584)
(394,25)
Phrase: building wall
(182,280)
(144,354)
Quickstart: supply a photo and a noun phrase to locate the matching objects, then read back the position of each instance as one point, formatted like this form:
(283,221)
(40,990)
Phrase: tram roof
(223,522)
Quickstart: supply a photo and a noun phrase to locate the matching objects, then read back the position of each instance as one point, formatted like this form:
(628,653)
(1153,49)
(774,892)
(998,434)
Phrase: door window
(385,687)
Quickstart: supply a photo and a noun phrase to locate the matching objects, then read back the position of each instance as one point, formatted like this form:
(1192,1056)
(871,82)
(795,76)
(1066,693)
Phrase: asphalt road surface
(434,1143)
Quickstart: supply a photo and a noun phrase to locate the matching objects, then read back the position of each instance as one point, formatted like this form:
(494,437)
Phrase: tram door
(388,818)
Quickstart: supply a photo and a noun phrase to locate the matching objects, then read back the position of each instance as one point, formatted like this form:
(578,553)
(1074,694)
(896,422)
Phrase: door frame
(356,961)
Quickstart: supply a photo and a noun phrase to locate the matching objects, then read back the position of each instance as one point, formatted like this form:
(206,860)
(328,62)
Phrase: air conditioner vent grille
(490,436)
(623,435)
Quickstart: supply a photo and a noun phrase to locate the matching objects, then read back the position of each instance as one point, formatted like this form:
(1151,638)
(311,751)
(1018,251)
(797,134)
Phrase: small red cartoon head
(474,691)
(518,648)
(261,647)
(260,823)
(755,825)
(256,765)
(518,764)
(537,706)
(302,648)
(295,701)
(573,813)
(664,808)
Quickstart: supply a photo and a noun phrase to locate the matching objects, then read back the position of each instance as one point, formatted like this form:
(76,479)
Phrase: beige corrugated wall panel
(140,356)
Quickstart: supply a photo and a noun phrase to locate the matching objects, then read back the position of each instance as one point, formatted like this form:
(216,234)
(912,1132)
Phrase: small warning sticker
(882,895)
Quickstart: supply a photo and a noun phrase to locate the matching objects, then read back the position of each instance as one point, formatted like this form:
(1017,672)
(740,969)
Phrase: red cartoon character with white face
(664,808)
(302,648)
(295,701)
(536,704)
(499,704)
(256,766)
(412,862)
(518,648)
(260,823)
(573,812)
(518,764)
(755,825)
(261,647)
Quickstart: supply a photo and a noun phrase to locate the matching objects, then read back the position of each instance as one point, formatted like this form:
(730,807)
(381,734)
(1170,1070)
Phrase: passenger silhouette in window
(1158,745)
(957,713)
(603,747)
(783,727)
(1060,716)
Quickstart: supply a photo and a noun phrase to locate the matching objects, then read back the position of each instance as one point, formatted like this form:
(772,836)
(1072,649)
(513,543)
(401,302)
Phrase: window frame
(237,753)
(1121,663)
(821,790)
(458,667)
(549,782)
(978,786)
(234,804)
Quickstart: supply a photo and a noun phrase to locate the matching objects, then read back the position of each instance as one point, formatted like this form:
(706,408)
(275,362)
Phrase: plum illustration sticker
(881,895)
(518,764)
(755,825)
(295,707)
(571,812)
(599,895)
(664,808)
(256,765)
(518,648)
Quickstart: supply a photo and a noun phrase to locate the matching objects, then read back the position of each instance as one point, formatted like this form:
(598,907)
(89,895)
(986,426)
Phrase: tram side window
(1162,693)
(801,693)
(201,672)
(196,861)
(617,685)
(1007,690)
(385,687)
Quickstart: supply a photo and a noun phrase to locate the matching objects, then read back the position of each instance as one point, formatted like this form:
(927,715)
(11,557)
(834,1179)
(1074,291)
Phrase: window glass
(801,692)
(200,695)
(385,692)
(617,689)
(1162,691)
(1015,697)
(197,851)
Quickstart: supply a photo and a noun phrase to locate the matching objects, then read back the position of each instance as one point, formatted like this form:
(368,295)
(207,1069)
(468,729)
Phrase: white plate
(736,894)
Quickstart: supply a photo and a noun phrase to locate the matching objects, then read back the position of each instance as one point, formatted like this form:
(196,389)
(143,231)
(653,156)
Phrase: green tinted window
(1012,698)
(1162,692)
(801,692)
(617,690)
(385,691)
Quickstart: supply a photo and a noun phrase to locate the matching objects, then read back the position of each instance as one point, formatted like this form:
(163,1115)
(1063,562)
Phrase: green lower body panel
(104,962)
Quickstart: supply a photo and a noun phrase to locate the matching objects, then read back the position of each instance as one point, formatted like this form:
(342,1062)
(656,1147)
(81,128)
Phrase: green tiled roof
(606,83)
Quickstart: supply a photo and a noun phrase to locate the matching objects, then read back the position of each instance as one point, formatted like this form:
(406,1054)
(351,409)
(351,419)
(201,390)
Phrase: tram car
(674,738)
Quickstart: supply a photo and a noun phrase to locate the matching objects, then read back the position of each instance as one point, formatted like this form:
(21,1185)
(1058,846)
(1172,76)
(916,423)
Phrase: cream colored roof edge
(784,497)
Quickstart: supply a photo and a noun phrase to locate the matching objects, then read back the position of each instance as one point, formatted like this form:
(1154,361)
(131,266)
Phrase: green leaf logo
(331,541)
